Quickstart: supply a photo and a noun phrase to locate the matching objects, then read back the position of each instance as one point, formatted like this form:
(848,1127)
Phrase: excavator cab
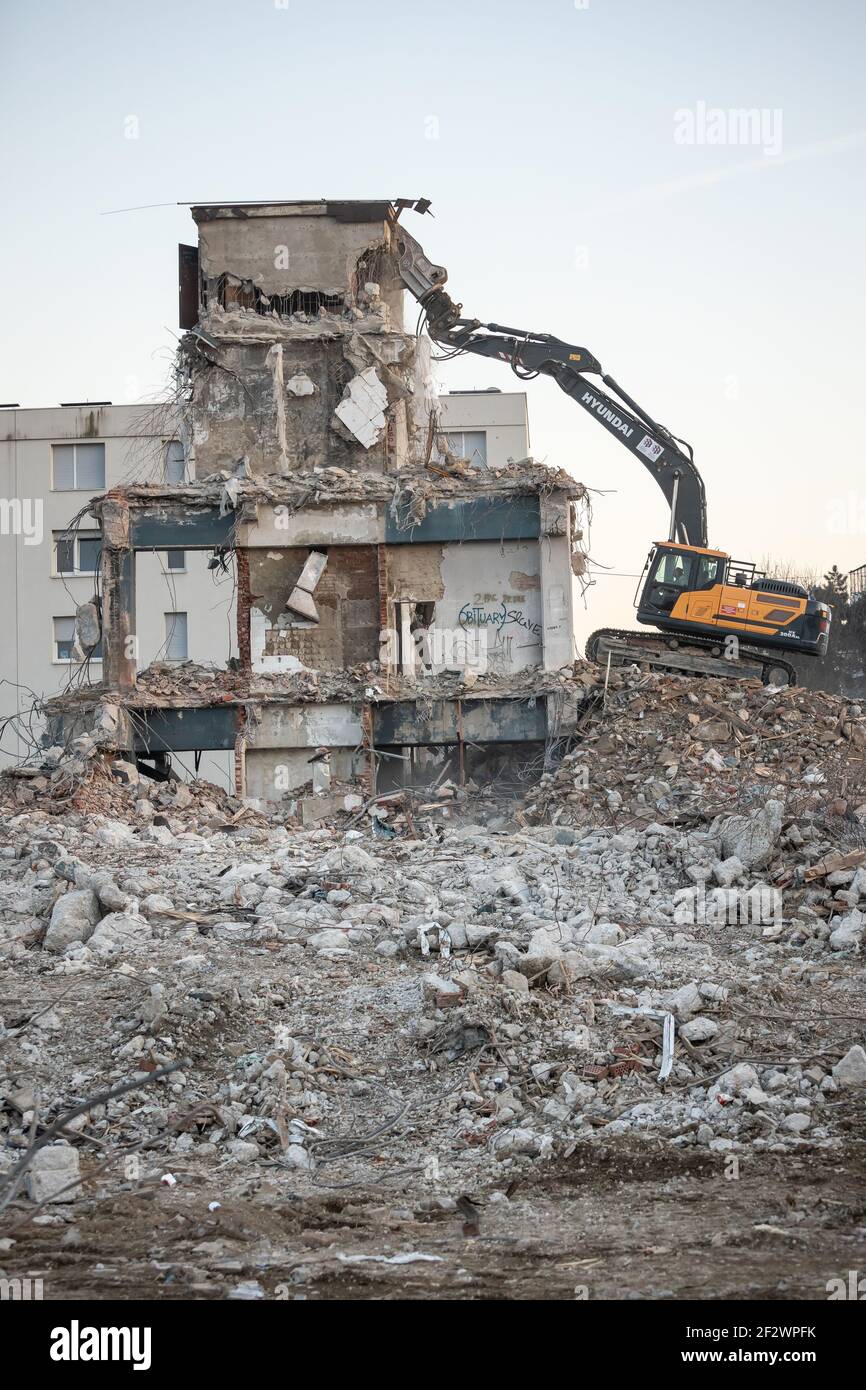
(672,572)
(667,576)
(704,594)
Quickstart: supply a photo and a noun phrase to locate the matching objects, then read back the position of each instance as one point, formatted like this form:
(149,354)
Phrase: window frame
(671,556)
(74,445)
(73,539)
(94,655)
(700,585)
(169,482)
(468,458)
(169,636)
(57,660)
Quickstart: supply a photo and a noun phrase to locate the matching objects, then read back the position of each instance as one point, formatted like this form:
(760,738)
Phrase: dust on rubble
(423,1054)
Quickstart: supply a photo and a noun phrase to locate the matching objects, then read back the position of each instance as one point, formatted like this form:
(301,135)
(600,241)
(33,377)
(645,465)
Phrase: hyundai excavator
(712,615)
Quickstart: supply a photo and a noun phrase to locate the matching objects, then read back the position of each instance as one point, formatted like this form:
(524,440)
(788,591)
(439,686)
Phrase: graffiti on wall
(499,618)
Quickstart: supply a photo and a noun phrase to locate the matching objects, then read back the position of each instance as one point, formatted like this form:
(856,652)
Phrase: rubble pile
(418,487)
(191,683)
(85,778)
(444,1009)
(680,749)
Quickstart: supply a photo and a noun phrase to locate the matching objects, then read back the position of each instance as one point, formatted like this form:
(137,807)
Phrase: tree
(835,585)
(843,671)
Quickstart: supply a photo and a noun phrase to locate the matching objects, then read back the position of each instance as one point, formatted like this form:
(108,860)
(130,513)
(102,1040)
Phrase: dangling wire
(518,371)
(434,357)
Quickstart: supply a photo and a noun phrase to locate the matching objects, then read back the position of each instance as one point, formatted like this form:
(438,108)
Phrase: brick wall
(240,755)
(347,600)
(242,561)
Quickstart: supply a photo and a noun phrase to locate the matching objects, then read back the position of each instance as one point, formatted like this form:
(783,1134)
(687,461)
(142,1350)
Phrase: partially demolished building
(403,615)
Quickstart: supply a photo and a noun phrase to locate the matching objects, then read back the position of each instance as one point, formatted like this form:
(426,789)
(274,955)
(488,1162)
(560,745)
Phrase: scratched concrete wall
(495,587)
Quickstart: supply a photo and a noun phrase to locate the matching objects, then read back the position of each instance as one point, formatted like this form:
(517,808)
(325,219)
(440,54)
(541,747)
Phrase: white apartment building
(487,427)
(53,460)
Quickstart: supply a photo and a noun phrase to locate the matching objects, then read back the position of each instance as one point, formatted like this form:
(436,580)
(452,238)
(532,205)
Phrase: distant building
(487,427)
(53,460)
(857,582)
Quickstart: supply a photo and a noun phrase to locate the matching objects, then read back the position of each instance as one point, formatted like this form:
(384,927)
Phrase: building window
(64,642)
(175,637)
(78,467)
(77,553)
(64,638)
(175,462)
(175,559)
(468,444)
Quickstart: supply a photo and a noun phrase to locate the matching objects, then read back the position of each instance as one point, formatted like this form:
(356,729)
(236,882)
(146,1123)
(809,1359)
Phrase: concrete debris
(751,839)
(73,919)
(850,1070)
(301,600)
(53,1168)
(849,932)
(88,628)
(301,385)
(539,961)
(362,409)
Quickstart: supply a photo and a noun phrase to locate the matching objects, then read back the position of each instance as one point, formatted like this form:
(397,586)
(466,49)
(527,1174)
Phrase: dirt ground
(624,1221)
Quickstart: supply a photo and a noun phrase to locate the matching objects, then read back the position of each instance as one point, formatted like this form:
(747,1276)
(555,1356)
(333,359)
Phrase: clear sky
(588,180)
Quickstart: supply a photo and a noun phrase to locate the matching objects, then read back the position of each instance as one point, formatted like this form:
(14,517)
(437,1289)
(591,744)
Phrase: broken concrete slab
(301,385)
(73,919)
(850,1070)
(117,932)
(362,409)
(300,601)
(752,838)
(51,1170)
(848,932)
(314,567)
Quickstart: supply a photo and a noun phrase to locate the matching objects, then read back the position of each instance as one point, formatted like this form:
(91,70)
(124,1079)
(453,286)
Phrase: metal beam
(185,730)
(405,723)
(193,528)
(481,519)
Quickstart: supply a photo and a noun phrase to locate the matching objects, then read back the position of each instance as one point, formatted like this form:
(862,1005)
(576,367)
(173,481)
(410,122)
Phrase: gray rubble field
(426,1018)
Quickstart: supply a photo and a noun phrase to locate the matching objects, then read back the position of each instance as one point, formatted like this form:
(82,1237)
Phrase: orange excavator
(712,615)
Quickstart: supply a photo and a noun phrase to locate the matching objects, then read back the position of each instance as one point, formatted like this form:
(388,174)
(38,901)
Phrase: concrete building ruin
(403,615)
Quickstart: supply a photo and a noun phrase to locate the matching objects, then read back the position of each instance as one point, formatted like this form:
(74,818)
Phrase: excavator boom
(696,597)
(530,354)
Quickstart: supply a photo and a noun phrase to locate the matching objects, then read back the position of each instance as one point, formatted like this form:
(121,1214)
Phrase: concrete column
(117,572)
(557,587)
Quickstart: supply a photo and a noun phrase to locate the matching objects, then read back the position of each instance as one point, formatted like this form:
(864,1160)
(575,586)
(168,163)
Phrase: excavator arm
(531,354)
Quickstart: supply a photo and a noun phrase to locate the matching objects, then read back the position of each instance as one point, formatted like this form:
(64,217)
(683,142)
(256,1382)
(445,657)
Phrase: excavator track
(626,648)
